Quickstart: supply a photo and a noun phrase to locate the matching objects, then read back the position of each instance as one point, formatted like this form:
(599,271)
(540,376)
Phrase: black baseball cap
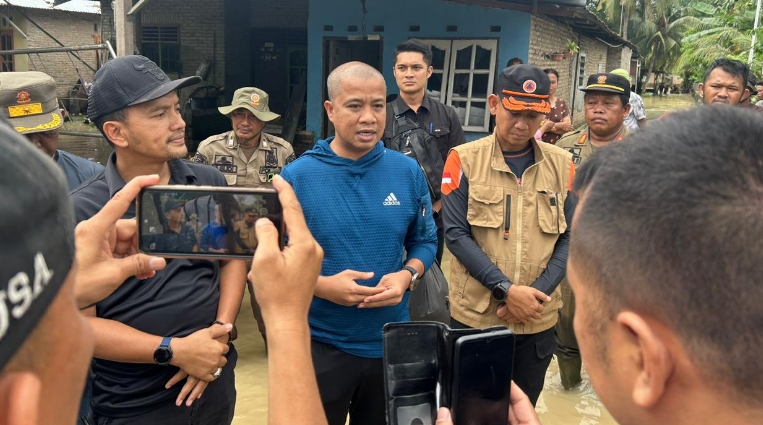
(524,87)
(608,83)
(36,238)
(129,80)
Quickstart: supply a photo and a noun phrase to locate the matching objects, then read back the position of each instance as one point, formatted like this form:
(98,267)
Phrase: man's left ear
(626,110)
(653,361)
(493,102)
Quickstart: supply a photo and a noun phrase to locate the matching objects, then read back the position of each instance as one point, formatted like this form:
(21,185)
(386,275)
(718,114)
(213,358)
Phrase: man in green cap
(637,116)
(246,155)
(606,106)
(28,101)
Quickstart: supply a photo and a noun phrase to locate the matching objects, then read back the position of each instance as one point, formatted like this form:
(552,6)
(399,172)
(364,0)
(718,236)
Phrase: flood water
(556,406)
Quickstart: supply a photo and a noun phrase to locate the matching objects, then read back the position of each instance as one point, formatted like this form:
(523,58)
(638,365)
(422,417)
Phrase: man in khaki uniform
(507,210)
(246,156)
(606,107)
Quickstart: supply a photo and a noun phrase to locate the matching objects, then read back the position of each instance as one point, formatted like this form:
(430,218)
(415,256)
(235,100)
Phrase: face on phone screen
(187,222)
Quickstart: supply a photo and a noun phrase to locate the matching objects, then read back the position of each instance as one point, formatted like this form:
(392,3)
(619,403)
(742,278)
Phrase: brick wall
(548,37)
(619,57)
(71,29)
(200,23)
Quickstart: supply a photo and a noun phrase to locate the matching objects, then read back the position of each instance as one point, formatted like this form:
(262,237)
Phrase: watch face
(499,294)
(162,355)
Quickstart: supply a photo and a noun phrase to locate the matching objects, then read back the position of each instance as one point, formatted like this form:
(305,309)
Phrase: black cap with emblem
(524,87)
(129,80)
(36,238)
(608,83)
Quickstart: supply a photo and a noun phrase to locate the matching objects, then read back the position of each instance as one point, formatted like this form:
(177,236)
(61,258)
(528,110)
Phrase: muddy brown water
(556,406)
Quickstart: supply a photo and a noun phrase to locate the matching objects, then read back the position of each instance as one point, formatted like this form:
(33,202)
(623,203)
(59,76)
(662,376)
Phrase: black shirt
(177,301)
(439,120)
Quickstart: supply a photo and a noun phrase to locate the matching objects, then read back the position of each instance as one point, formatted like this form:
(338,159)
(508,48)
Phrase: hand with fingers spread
(523,303)
(342,289)
(200,354)
(394,285)
(106,248)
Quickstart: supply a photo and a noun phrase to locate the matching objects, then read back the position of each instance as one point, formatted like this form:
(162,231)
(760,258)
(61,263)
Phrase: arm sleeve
(421,239)
(458,235)
(456,136)
(201,156)
(565,110)
(557,265)
(638,108)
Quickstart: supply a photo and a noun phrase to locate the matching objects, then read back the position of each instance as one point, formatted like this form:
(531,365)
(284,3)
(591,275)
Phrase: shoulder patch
(452,173)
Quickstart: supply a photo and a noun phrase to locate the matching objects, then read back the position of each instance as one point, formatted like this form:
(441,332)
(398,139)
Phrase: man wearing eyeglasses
(247,156)
(606,107)
(28,100)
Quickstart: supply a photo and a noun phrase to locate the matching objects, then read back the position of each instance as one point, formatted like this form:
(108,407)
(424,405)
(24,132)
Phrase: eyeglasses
(243,114)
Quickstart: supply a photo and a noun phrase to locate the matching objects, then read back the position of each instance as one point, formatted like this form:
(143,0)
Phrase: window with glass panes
(161,44)
(462,77)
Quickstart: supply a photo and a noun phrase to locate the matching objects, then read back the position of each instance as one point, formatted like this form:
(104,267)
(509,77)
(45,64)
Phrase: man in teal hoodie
(369,209)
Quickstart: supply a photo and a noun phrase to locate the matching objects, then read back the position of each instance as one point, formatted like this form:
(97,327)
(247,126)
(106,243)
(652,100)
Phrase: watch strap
(414,277)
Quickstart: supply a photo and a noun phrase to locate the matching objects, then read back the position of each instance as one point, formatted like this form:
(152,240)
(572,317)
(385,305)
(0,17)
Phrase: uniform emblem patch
(602,79)
(224,163)
(270,159)
(255,98)
(23,97)
(529,86)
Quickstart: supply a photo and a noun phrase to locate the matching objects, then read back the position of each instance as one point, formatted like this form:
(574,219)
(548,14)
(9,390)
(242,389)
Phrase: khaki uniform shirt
(536,222)
(222,152)
(579,144)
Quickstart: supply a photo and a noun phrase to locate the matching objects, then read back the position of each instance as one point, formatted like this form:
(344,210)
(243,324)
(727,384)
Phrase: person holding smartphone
(153,360)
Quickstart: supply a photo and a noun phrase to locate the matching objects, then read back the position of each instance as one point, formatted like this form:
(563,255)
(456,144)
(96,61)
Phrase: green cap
(28,100)
(621,72)
(252,99)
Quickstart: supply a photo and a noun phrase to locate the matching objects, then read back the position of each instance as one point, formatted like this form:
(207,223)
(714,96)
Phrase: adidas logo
(391,200)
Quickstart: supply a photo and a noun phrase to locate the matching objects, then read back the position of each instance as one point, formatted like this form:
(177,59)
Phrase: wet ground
(555,407)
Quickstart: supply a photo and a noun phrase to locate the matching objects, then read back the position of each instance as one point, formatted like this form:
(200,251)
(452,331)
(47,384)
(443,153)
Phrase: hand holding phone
(204,221)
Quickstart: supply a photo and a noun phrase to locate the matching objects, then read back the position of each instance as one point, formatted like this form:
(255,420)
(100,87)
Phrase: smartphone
(204,221)
(483,365)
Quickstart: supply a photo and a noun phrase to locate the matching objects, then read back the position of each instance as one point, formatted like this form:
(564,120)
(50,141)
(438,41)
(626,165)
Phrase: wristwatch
(500,291)
(163,353)
(414,277)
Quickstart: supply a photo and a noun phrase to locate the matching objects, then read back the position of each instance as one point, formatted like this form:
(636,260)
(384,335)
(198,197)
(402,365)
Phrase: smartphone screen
(482,379)
(204,221)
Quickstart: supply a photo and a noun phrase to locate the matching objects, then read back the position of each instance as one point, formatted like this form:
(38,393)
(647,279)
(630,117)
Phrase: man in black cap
(606,107)
(507,211)
(45,343)
(159,333)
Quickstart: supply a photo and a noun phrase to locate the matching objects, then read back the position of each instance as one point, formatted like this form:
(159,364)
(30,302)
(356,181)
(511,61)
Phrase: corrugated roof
(83,6)
(80,6)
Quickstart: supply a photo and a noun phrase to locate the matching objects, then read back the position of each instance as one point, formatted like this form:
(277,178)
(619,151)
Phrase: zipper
(558,213)
(507,218)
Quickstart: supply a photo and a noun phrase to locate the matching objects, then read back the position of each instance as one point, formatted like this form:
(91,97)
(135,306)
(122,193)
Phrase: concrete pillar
(125,27)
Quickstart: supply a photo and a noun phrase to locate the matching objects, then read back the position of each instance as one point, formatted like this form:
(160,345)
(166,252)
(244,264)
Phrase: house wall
(432,16)
(71,29)
(201,33)
(548,37)
(278,14)
(618,57)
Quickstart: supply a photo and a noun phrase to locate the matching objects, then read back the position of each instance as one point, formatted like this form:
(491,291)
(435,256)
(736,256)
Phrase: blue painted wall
(432,16)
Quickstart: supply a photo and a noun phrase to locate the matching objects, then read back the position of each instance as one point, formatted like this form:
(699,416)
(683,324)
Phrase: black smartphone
(204,221)
(483,366)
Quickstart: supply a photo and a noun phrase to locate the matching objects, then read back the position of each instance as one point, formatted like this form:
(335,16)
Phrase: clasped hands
(523,305)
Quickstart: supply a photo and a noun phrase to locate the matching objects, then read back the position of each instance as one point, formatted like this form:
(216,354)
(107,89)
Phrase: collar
(585,135)
(499,163)
(231,141)
(403,107)
(180,173)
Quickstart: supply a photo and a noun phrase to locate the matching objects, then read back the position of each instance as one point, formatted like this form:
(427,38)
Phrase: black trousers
(215,407)
(532,355)
(349,384)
